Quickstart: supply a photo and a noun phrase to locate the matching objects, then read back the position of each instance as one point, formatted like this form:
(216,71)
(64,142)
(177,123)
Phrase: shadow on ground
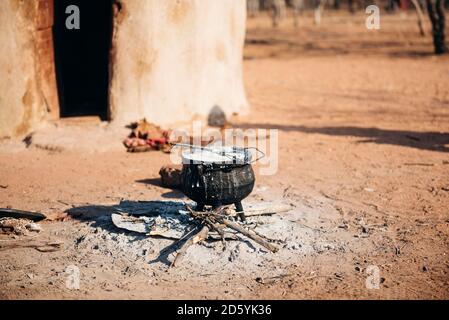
(172,194)
(278,47)
(434,141)
(100,217)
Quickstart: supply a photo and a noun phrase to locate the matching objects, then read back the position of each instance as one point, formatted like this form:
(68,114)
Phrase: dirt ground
(363,120)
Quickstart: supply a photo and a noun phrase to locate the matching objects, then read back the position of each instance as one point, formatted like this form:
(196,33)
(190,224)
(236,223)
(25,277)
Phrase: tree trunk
(319,11)
(351,6)
(420,16)
(278,8)
(435,8)
(253,7)
(297,7)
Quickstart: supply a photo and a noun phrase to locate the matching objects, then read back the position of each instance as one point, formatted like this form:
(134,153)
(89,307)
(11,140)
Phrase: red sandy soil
(363,120)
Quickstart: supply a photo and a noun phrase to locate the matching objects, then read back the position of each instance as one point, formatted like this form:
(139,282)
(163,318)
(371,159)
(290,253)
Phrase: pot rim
(223,155)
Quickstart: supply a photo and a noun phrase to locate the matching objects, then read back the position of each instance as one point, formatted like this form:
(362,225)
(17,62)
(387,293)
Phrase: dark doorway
(82,57)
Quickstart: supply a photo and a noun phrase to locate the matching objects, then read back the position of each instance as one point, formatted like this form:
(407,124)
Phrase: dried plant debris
(146,136)
(18,226)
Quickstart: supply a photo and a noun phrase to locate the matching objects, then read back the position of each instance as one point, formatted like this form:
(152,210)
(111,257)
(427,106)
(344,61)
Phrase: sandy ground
(363,120)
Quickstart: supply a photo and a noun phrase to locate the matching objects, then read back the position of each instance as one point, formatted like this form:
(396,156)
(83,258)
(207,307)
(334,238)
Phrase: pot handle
(261,154)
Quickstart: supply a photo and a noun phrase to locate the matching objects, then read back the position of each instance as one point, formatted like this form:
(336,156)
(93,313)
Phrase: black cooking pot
(218,176)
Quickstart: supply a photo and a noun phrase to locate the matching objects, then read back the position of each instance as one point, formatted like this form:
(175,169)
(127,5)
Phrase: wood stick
(418,164)
(266,211)
(42,246)
(198,237)
(250,234)
(214,219)
(227,237)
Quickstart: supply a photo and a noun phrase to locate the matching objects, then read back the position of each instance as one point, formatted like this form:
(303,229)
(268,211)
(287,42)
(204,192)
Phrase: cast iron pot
(218,183)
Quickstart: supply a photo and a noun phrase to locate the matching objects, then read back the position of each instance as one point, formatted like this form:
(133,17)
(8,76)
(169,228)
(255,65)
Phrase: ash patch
(101,237)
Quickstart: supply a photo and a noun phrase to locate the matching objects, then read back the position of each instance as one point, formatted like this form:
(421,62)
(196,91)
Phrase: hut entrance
(82,56)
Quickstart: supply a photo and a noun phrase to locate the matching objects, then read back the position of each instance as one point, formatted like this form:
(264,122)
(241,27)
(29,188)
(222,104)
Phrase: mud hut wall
(170,60)
(28,92)
(175,59)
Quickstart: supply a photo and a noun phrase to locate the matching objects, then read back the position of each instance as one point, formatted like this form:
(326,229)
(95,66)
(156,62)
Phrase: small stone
(338,275)
(343,226)
(217,118)
(171,176)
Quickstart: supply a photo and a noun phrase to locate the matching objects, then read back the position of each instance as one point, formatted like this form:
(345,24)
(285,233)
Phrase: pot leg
(239,209)
(199,207)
